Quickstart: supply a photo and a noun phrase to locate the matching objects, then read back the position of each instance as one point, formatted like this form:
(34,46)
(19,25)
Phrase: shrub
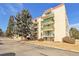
(51,38)
(41,39)
(69,40)
(34,38)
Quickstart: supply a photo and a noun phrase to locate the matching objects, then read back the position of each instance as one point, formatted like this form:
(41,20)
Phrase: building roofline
(53,9)
(36,18)
(57,6)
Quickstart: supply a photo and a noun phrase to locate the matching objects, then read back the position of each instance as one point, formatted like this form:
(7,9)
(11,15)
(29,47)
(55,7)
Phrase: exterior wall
(39,28)
(35,28)
(60,23)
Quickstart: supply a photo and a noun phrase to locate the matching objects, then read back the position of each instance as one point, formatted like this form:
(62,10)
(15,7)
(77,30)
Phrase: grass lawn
(60,45)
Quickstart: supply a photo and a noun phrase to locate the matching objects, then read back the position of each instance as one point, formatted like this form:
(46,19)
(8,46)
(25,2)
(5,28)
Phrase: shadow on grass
(8,54)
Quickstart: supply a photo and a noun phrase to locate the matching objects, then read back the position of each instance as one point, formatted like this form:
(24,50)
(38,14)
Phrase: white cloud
(11,9)
(75,25)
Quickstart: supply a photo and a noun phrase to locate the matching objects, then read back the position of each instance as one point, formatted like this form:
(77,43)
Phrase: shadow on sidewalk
(8,54)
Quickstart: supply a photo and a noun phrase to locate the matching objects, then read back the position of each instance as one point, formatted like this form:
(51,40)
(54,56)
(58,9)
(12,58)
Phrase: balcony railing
(48,34)
(35,31)
(47,28)
(34,24)
(48,20)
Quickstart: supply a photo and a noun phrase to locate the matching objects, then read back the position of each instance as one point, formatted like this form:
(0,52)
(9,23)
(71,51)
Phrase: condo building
(52,24)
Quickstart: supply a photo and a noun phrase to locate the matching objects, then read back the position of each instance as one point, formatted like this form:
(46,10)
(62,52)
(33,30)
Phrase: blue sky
(6,10)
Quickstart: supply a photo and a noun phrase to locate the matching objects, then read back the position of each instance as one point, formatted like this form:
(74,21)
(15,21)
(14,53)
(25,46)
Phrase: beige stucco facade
(60,23)
(53,23)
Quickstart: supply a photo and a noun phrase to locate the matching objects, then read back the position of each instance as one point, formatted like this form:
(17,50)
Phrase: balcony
(35,26)
(48,28)
(36,23)
(48,35)
(48,21)
(35,32)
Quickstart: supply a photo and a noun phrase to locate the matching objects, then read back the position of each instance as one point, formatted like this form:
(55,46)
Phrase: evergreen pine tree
(23,23)
(10,28)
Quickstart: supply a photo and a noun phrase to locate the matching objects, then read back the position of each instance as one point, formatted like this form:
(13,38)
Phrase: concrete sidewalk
(59,45)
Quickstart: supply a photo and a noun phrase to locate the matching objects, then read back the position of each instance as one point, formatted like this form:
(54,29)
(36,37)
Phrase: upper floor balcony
(35,25)
(48,21)
(48,34)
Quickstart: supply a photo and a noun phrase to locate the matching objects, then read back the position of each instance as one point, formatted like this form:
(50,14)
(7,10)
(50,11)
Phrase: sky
(36,10)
